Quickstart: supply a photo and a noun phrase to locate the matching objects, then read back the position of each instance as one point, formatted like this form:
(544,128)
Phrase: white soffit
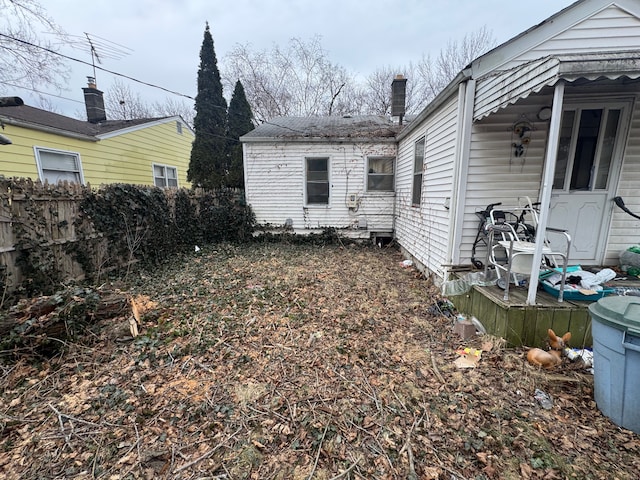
(499,89)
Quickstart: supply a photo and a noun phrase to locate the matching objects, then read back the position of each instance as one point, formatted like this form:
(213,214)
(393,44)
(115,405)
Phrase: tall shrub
(208,165)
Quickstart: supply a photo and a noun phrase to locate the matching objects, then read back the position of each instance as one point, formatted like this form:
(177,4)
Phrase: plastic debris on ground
(479,326)
(462,285)
(442,307)
(544,399)
(469,357)
(583,354)
(627,291)
(630,261)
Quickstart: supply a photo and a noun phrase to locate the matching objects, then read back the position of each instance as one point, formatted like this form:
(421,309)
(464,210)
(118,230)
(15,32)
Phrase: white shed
(313,173)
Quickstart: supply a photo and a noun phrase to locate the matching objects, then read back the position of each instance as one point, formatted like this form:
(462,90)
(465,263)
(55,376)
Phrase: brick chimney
(94,102)
(398,95)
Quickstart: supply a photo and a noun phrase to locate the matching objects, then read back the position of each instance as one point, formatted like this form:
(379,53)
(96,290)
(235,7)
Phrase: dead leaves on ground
(290,362)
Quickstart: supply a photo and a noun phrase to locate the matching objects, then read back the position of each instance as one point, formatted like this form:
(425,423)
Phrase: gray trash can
(616,359)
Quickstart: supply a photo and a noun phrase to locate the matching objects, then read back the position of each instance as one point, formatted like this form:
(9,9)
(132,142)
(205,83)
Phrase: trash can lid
(619,312)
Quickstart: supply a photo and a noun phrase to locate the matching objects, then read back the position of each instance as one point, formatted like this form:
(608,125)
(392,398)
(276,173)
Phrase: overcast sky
(163,37)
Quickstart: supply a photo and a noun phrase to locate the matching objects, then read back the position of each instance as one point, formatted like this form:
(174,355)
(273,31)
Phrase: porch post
(547,185)
(466,97)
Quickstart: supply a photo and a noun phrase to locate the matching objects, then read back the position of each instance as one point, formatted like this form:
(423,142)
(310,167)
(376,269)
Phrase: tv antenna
(99,48)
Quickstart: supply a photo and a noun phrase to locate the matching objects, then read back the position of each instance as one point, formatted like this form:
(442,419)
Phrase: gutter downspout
(547,185)
(461,171)
(395,194)
(455,180)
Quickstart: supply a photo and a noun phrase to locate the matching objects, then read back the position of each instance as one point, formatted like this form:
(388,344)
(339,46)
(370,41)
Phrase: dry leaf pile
(275,361)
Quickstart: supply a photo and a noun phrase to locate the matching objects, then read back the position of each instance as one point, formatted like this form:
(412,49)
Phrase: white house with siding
(571,83)
(552,115)
(309,174)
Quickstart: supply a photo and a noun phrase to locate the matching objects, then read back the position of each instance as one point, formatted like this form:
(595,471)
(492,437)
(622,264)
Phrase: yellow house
(53,147)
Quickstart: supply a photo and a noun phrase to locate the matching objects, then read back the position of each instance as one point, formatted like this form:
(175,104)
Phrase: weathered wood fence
(52,233)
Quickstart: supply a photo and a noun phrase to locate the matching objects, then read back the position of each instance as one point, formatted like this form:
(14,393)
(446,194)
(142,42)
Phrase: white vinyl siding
(625,230)
(275,186)
(495,174)
(423,231)
(611,29)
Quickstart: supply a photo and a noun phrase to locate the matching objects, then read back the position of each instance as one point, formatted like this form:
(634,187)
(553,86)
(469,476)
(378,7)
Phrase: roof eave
(47,129)
(449,90)
(284,139)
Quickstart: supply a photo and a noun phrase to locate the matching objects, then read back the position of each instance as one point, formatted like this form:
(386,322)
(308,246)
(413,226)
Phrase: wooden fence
(37,218)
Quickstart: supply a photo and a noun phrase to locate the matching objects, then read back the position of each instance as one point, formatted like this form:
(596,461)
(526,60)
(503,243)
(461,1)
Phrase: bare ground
(278,361)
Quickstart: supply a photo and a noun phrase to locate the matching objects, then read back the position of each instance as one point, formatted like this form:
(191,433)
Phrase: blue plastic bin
(616,359)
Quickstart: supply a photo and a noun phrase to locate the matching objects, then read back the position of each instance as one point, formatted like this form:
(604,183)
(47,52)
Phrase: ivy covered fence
(52,234)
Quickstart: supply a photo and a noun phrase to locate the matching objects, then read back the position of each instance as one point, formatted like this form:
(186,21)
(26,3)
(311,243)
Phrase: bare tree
(25,59)
(301,80)
(377,98)
(426,78)
(298,80)
(377,91)
(45,103)
(123,104)
(434,74)
(171,107)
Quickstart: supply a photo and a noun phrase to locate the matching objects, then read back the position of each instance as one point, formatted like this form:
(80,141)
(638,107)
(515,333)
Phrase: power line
(41,92)
(117,74)
(100,68)
(97,67)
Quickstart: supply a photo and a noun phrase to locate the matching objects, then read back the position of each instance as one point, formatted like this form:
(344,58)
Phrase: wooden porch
(522,324)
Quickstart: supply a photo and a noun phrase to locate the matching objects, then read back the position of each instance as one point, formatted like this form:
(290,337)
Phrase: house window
(57,166)
(586,148)
(179,127)
(164,176)
(318,181)
(380,174)
(418,165)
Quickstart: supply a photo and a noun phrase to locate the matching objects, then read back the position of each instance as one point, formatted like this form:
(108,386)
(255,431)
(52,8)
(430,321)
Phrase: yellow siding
(124,158)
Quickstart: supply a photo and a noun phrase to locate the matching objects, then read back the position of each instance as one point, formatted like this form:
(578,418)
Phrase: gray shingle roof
(356,127)
(41,118)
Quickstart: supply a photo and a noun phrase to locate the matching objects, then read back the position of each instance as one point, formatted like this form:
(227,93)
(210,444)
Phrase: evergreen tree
(208,165)
(240,122)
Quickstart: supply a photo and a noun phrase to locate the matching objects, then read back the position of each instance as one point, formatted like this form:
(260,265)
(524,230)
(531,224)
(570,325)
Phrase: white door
(587,168)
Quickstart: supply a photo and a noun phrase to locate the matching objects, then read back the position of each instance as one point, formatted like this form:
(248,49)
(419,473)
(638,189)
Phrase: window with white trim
(165,176)
(418,166)
(58,166)
(380,174)
(317,181)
